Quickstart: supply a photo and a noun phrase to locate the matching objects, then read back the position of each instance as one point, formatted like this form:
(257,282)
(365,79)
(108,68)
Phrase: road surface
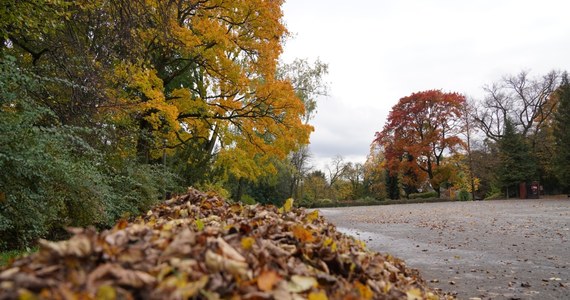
(503,249)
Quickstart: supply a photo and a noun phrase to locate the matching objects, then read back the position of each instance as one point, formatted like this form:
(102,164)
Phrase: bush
(247,199)
(216,188)
(495,196)
(52,178)
(424,195)
(463,195)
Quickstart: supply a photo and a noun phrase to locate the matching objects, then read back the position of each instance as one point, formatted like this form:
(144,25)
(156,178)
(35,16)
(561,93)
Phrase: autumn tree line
(441,144)
(107,107)
(438,144)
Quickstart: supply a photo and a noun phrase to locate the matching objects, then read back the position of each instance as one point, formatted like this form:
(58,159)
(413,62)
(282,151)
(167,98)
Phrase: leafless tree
(525,100)
(300,168)
(336,169)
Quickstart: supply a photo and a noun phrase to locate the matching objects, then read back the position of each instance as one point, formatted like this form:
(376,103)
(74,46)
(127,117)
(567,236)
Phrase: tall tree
(517,164)
(419,130)
(375,173)
(354,174)
(523,99)
(529,103)
(196,74)
(308,82)
(314,186)
(562,132)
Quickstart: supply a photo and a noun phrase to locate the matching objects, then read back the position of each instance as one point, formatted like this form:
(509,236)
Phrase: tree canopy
(127,93)
(419,130)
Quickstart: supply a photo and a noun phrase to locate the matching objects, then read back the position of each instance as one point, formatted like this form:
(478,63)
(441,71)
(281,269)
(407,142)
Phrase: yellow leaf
(106,292)
(321,295)
(267,280)
(312,216)
(288,205)
(199,225)
(333,247)
(24,294)
(167,226)
(414,294)
(247,242)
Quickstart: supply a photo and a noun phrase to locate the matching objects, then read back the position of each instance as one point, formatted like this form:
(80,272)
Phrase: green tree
(52,177)
(374,170)
(517,163)
(314,187)
(562,133)
(308,82)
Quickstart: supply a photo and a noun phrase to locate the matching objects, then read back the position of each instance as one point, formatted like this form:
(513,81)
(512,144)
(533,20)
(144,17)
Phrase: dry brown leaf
(228,251)
(79,245)
(299,283)
(198,246)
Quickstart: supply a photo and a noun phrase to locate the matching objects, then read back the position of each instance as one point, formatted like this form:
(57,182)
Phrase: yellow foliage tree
(170,74)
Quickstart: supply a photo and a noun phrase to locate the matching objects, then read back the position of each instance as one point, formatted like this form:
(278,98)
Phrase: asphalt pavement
(502,249)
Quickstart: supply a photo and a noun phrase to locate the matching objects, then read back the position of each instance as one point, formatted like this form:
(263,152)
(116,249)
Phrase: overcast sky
(380,51)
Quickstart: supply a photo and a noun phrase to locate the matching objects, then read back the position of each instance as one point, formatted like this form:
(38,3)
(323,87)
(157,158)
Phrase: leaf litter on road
(198,246)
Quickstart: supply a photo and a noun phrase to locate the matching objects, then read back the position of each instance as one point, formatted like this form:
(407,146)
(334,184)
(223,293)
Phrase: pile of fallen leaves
(198,246)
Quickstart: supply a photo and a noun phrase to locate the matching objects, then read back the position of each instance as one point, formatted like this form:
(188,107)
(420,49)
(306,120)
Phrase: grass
(377,202)
(7,256)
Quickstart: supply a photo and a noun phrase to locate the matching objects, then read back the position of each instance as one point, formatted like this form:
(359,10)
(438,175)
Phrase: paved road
(505,249)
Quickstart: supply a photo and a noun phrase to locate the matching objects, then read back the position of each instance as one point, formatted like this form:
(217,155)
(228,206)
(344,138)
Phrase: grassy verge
(7,256)
(383,202)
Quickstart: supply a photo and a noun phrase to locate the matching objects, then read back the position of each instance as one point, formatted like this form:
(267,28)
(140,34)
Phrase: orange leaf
(121,224)
(267,280)
(364,290)
(302,234)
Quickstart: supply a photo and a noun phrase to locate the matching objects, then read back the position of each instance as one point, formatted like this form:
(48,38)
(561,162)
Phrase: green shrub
(495,196)
(423,195)
(463,195)
(216,188)
(247,199)
(52,178)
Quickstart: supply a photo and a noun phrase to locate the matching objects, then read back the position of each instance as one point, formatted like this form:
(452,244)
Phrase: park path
(503,249)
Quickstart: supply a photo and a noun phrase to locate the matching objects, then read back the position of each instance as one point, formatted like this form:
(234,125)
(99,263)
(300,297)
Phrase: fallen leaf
(320,295)
(267,279)
(247,243)
(312,216)
(302,234)
(364,290)
(288,205)
(414,294)
(199,224)
(228,251)
(299,283)
(106,292)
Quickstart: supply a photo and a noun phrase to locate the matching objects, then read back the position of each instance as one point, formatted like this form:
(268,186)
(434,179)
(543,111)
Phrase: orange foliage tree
(419,130)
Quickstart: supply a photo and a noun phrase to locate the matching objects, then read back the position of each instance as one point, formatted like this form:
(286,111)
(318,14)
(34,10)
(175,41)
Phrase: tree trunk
(239,191)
